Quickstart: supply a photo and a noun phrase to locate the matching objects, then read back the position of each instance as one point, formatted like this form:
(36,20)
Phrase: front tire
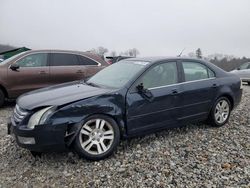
(2,98)
(220,112)
(36,154)
(98,138)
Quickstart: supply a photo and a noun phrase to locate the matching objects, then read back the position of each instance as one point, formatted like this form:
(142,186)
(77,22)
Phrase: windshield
(118,74)
(10,59)
(245,66)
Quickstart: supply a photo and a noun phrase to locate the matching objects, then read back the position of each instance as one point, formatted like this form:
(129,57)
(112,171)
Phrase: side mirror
(14,67)
(140,88)
(145,92)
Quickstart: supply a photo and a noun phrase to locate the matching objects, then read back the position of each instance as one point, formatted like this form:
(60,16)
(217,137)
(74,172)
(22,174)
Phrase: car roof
(87,54)
(161,58)
(153,60)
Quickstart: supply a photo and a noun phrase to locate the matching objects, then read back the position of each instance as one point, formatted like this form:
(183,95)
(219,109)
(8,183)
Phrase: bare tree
(198,53)
(100,50)
(191,54)
(113,53)
(125,53)
(133,52)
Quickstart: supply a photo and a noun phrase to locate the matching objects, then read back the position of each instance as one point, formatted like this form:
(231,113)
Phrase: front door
(33,73)
(159,111)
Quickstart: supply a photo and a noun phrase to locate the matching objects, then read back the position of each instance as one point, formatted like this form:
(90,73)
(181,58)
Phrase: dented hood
(58,95)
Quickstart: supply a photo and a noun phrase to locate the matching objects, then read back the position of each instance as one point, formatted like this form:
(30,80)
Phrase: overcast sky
(154,27)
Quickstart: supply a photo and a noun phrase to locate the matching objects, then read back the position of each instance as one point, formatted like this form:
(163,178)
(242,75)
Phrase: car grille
(19,114)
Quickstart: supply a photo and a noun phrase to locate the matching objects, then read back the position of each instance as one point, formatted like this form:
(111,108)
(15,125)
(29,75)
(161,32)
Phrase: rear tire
(98,138)
(220,112)
(2,98)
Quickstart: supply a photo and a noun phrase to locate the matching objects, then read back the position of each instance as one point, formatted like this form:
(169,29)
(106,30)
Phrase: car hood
(244,73)
(59,95)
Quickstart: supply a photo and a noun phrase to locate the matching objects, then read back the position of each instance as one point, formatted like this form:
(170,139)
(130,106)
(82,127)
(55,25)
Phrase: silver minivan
(243,72)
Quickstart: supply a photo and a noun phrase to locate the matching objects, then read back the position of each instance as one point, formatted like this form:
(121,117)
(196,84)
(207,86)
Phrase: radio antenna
(181,52)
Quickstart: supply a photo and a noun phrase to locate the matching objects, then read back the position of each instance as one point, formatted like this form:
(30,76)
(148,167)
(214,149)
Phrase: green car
(10,53)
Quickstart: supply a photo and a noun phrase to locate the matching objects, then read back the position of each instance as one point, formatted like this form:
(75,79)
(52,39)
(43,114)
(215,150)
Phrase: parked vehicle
(115,59)
(243,72)
(41,68)
(133,97)
(13,51)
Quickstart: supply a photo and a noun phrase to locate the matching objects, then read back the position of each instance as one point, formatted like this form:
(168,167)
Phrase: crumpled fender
(74,114)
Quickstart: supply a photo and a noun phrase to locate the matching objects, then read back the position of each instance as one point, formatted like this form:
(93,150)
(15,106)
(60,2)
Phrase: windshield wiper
(91,84)
(82,82)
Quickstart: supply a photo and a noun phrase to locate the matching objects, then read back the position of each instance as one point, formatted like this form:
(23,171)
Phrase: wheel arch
(120,122)
(75,128)
(4,90)
(228,92)
(229,97)
(210,118)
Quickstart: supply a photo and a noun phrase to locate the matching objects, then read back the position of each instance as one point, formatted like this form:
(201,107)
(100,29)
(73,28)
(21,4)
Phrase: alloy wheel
(96,136)
(222,111)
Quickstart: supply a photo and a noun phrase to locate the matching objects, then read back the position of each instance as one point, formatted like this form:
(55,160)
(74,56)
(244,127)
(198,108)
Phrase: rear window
(62,59)
(86,61)
(196,71)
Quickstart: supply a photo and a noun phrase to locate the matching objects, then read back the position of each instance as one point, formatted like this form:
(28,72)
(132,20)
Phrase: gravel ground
(192,156)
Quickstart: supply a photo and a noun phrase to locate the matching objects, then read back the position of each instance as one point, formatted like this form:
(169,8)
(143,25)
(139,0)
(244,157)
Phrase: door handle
(174,92)
(42,72)
(79,72)
(214,86)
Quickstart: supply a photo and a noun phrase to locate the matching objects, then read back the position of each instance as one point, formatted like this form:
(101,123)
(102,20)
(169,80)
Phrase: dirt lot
(192,156)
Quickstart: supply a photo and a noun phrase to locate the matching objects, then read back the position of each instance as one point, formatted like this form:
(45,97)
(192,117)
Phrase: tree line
(226,62)
(102,51)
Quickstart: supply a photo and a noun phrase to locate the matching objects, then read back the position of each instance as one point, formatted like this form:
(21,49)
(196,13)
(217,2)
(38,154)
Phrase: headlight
(40,116)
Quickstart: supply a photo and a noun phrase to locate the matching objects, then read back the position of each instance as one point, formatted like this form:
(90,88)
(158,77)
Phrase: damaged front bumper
(43,138)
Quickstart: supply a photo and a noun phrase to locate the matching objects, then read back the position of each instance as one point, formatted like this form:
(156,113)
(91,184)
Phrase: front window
(245,66)
(160,75)
(118,74)
(33,60)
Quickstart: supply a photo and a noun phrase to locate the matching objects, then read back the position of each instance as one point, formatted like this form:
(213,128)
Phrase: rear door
(198,90)
(33,73)
(64,67)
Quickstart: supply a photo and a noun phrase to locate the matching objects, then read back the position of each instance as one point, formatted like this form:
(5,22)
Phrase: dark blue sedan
(129,98)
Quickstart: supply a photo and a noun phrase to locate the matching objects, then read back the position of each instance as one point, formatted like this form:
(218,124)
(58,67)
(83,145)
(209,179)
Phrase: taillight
(109,62)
